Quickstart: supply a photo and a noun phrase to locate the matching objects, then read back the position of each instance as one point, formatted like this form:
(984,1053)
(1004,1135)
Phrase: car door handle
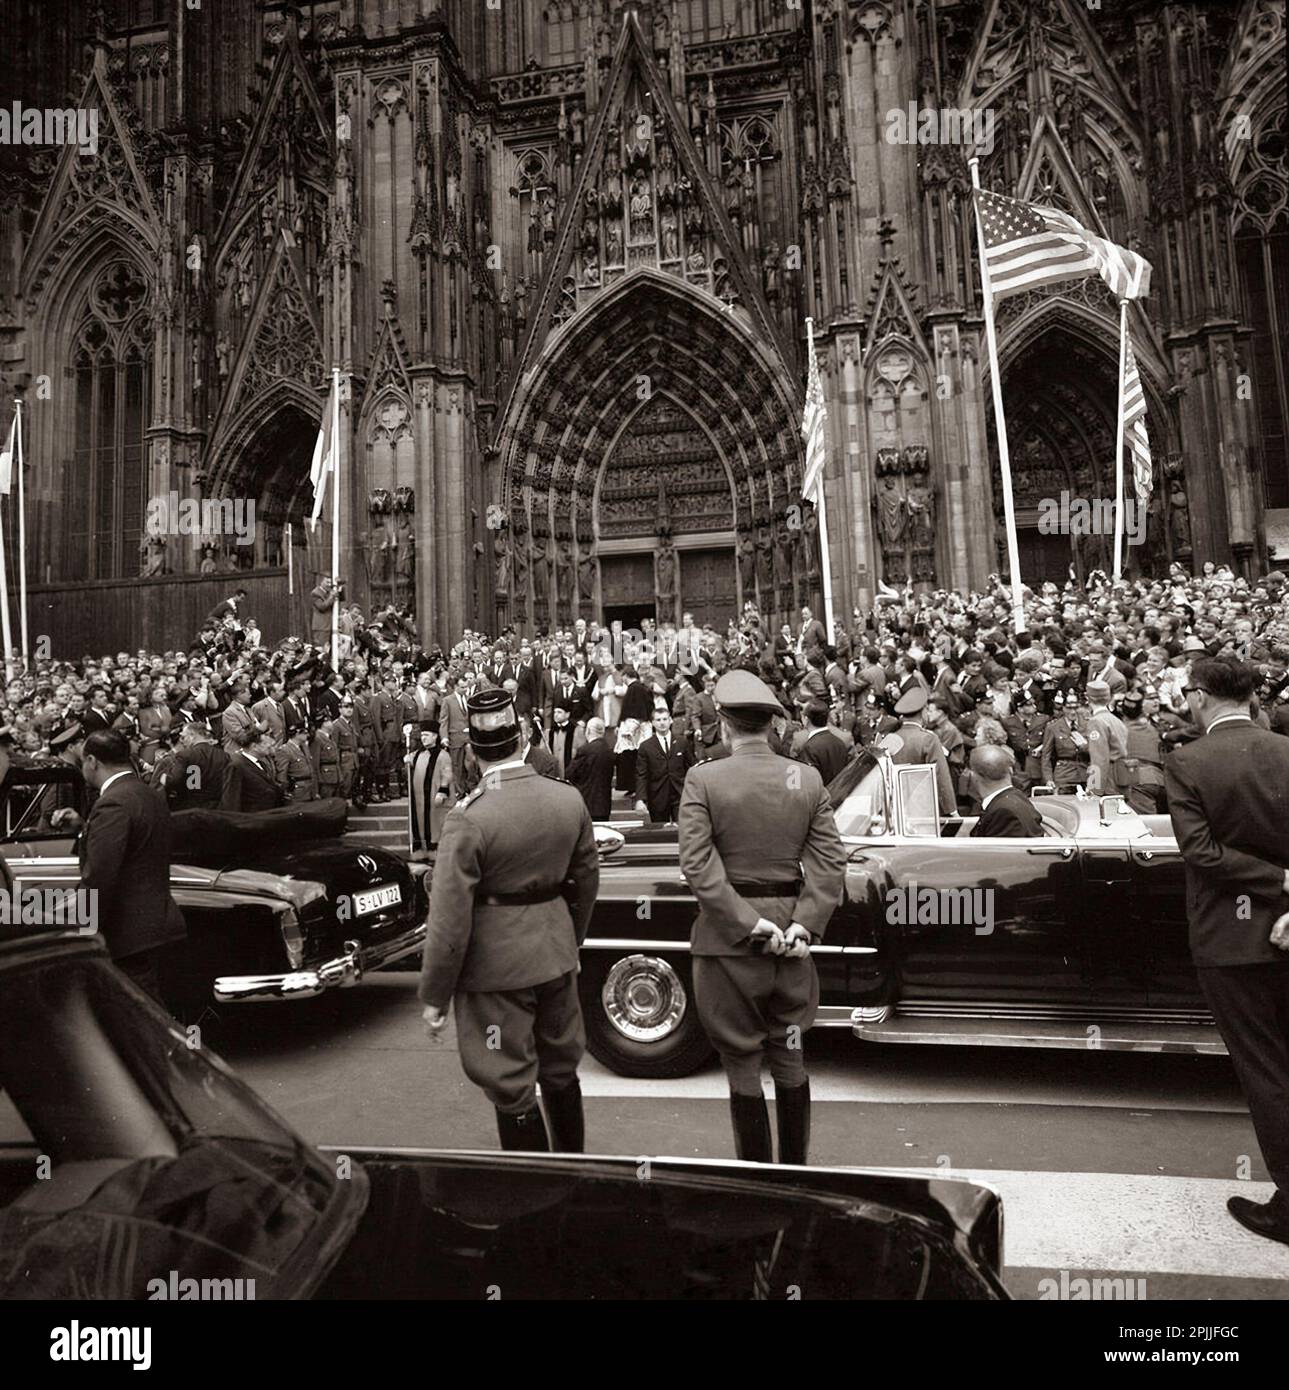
(1062,851)
(1161,854)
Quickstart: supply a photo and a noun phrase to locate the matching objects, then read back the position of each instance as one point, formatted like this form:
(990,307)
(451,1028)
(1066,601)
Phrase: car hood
(479,1225)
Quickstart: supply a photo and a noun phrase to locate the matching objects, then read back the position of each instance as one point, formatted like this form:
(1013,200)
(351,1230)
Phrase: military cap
(1100,689)
(913,701)
(65,737)
(1193,644)
(492,720)
(742,692)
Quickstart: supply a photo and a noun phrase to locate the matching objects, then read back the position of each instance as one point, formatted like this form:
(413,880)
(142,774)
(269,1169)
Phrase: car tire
(640,1015)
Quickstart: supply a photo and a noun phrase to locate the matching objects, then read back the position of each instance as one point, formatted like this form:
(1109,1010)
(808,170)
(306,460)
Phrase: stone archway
(1060,391)
(271,468)
(652,461)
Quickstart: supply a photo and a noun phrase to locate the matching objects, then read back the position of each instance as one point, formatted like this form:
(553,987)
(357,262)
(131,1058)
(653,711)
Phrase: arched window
(102,521)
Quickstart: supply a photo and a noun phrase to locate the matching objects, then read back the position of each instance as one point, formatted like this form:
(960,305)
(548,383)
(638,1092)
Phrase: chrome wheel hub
(644,998)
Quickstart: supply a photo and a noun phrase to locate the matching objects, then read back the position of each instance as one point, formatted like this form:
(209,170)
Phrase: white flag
(324,460)
(6,459)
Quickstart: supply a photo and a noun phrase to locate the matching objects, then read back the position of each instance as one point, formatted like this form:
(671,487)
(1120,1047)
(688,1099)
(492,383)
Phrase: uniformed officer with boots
(760,850)
(913,743)
(514,886)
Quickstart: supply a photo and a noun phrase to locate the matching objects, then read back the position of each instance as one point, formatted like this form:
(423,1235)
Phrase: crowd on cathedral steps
(1091,696)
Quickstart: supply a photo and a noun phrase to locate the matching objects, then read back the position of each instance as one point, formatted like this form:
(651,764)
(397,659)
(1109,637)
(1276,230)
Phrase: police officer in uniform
(514,885)
(1065,757)
(1142,768)
(1107,741)
(760,850)
(912,742)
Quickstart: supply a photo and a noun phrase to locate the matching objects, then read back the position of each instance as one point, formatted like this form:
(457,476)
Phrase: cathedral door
(626,588)
(707,588)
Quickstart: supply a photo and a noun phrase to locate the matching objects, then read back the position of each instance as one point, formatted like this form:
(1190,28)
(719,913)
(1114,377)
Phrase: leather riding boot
(792,1111)
(751,1121)
(565,1117)
(525,1131)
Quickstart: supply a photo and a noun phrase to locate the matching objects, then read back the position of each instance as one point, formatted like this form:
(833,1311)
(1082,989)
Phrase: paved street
(1109,1163)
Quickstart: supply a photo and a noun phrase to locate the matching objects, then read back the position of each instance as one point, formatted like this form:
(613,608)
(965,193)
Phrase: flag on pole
(324,459)
(1028,245)
(1134,425)
(812,429)
(6,458)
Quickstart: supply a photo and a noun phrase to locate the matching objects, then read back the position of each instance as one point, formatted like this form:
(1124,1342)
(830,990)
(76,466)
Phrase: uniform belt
(526,899)
(761,888)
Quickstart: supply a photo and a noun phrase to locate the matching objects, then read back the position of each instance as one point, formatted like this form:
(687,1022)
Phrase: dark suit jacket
(93,720)
(826,752)
(247,788)
(125,856)
(1228,796)
(1011,814)
(591,772)
(660,779)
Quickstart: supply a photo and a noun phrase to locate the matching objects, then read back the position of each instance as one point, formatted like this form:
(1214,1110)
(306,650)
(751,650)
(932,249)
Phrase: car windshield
(858,796)
(128,1154)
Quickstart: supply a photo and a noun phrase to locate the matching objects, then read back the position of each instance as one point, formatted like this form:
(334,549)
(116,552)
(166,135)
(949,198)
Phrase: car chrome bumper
(344,970)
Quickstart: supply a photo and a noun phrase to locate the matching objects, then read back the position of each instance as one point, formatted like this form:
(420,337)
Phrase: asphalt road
(1110,1164)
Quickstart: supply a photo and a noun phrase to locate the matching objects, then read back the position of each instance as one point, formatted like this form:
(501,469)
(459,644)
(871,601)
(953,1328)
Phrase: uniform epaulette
(469,797)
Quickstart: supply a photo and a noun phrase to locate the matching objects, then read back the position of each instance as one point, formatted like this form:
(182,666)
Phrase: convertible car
(134,1165)
(277,905)
(1075,939)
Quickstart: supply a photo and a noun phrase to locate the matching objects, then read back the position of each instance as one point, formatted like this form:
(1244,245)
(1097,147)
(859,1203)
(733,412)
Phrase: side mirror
(608,840)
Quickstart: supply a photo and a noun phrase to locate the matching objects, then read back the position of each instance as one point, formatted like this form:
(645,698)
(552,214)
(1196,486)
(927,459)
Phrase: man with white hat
(760,850)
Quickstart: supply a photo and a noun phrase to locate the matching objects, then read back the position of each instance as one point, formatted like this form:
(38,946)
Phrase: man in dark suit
(1228,796)
(661,764)
(197,774)
(125,861)
(251,783)
(100,714)
(1004,812)
(591,771)
(760,850)
(822,750)
(515,880)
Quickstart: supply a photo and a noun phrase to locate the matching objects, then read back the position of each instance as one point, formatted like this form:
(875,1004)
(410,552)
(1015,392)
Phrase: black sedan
(136,1165)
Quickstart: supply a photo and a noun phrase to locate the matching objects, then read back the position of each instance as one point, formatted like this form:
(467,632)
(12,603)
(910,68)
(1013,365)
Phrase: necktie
(665,747)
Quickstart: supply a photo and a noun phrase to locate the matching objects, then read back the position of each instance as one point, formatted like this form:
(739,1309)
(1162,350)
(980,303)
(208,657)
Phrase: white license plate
(387,895)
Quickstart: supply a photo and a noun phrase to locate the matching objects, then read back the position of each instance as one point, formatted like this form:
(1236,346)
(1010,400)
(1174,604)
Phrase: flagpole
(1000,423)
(290,558)
(22,537)
(335,517)
(825,559)
(5,632)
(1118,443)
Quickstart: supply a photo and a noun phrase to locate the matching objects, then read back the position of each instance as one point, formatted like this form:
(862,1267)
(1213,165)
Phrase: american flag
(812,425)
(1028,245)
(1134,424)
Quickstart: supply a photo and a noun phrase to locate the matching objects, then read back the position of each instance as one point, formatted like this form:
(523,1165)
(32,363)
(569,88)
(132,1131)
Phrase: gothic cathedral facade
(563,254)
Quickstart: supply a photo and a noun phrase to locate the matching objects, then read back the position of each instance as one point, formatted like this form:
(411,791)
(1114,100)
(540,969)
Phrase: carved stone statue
(665,578)
(641,211)
(539,558)
(1179,519)
(764,557)
(501,559)
(564,566)
(746,563)
(670,237)
(782,553)
(810,539)
(891,518)
(152,551)
(921,508)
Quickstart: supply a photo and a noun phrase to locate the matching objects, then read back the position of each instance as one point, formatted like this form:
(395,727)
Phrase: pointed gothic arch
(733,418)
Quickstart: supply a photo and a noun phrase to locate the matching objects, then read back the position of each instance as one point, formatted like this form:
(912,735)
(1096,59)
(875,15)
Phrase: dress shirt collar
(985,803)
(1229,719)
(115,777)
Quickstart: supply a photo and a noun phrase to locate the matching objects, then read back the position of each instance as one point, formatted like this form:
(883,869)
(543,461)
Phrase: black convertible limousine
(1075,939)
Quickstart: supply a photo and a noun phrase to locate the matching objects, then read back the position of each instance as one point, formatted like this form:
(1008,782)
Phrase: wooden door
(707,586)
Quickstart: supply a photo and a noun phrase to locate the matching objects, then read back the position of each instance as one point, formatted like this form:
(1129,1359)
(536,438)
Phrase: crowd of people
(1092,696)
